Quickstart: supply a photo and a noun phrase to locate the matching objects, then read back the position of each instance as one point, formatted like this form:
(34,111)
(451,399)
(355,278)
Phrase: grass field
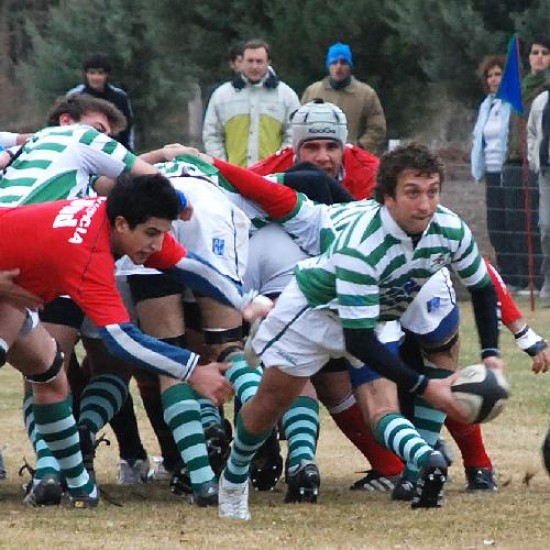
(518,516)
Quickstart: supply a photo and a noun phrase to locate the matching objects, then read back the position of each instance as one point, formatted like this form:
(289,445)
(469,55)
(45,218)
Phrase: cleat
(88,446)
(480,479)
(47,492)
(431,479)
(218,440)
(83,502)
(267,464)
(304,483)
(206,495)
(159,472)
(133,471)
(404,490)
(376,482)
(445,449)
(180,482)
(233,500)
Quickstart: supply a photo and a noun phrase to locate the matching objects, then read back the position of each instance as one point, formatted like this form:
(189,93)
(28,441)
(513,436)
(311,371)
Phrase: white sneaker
(233,500)
(159,472)
(133,471)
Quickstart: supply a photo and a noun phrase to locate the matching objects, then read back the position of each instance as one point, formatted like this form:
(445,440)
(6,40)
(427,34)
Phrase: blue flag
(510,85)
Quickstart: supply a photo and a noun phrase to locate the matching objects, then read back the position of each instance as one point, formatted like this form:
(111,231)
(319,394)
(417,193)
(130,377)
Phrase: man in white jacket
(247,119)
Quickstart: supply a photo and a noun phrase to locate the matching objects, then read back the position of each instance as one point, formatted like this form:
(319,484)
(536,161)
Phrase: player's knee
(221,336)
(51,372)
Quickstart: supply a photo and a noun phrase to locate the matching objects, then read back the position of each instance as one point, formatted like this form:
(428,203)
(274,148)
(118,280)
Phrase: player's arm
(484,304)
(365,346)
(277,200)
(103,184)
(525,337)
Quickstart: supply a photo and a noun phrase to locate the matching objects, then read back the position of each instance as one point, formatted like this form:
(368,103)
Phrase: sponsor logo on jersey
(77,214)
(218,246)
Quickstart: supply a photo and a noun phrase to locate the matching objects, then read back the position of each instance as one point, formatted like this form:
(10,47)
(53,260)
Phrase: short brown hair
(76,105)
(257,43)
(487,63)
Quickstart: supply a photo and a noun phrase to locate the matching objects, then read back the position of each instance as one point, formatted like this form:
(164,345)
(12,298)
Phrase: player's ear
(120,224)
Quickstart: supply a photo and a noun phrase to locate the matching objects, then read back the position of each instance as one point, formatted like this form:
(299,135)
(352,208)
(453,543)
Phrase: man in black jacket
(97,70)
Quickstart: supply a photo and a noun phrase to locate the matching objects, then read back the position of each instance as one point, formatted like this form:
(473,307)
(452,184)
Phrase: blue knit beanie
(337,52)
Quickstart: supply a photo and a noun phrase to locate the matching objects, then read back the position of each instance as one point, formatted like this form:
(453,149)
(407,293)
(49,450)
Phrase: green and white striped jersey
(57,163)
(372,271)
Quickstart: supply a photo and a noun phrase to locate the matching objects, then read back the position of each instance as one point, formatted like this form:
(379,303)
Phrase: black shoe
(546,451)
(2,468)
(376,482)
(88,446)
(304,483)
(180,482)
(431,479)
(83,501)
(206,495)
(267,464)
(404,490)
(46,493)
(218,443)
(480,479)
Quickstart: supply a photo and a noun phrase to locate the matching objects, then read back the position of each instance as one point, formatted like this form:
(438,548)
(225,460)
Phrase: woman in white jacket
(490,138)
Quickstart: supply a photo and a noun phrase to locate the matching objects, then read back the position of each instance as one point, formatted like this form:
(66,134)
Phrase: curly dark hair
(76,105)
(407,156)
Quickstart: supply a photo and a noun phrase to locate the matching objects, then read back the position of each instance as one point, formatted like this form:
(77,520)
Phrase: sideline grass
(517,516)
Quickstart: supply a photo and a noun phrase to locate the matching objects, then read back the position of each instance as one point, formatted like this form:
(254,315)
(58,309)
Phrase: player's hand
(208,380)
(5,159)
(186,213)
(494,363)
(440,395)
(16,295)
(541,361)
(257,308)
(172,150)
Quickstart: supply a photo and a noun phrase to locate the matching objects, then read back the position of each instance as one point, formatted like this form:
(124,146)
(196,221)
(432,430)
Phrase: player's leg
(61,318)
(160,313)
(290,344)
(37,356)
(334,389)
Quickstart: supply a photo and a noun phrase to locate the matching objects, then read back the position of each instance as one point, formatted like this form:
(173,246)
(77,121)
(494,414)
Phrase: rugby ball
(482,392)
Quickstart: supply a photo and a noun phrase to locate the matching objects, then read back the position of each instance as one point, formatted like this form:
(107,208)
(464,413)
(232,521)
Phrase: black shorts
(62,311)
(146,287)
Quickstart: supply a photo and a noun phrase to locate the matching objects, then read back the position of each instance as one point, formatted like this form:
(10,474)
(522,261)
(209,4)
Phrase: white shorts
(299,340)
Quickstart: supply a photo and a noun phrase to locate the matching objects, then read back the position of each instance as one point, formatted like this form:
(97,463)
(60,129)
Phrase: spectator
(360,103)
(97,70)
(538,129)
(235,58)
(247,119)
(512,175)
(490,139)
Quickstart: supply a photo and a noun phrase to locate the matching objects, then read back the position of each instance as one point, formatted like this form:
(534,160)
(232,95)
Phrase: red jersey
(360,168)
(64,247)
